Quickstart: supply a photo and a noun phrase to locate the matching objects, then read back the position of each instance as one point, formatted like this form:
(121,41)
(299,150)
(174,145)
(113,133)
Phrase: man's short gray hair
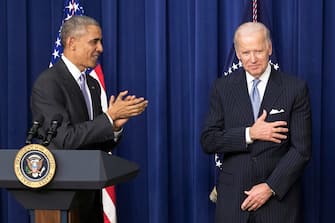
(250,27)
(76,26)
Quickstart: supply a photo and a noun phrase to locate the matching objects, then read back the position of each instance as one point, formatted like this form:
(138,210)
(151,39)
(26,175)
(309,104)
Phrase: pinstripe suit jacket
(279,165)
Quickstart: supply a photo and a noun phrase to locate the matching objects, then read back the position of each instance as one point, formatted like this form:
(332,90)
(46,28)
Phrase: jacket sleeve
(292,164)
(215,137)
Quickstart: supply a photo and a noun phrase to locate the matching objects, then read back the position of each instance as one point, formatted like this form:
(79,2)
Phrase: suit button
(254,159)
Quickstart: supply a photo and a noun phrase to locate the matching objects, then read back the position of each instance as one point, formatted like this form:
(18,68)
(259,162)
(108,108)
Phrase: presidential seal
(34,165)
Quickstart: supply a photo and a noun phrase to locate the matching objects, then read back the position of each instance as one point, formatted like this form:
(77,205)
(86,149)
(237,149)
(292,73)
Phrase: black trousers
(89,207)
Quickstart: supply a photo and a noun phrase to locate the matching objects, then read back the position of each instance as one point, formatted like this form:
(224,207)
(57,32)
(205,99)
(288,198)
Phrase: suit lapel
(239,89)
(272,92)
(95,95)
(73,90)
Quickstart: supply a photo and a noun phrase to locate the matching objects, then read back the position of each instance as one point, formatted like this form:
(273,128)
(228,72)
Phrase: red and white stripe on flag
(108,193)
(109,201)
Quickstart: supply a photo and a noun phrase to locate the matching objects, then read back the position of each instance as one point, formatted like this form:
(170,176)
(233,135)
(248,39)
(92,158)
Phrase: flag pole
(254,10)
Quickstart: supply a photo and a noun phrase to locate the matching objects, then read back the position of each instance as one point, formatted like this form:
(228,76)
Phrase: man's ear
(237,52)
(270,48)
(71,43)
(237,55)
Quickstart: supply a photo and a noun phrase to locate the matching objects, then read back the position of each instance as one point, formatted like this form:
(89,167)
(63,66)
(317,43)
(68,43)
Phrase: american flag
(71,8)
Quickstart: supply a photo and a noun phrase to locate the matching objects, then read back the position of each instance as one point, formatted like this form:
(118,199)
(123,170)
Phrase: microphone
(32,133)
(52,131)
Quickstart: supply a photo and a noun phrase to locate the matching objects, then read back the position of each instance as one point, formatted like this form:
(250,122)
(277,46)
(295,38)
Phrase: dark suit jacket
(56,92)
(279,165)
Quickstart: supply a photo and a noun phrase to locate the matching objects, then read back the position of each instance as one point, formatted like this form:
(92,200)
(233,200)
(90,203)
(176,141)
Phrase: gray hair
(76,26)
(251,27)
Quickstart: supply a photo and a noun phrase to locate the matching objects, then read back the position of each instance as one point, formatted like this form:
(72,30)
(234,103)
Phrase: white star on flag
(55,54)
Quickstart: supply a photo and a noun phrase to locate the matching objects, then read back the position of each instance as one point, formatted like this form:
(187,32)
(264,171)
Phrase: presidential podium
(77,172)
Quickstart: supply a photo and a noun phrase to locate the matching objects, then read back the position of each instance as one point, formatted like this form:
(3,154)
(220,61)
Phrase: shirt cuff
(116,134)
(248,139)
(272,191)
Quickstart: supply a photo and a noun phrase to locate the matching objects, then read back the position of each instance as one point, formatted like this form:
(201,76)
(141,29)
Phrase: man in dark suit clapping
(65,90)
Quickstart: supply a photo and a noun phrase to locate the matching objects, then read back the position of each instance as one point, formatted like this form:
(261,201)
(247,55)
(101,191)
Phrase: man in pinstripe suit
(265,155)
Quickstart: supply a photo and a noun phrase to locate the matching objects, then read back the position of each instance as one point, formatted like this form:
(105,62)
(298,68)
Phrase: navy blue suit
(279,165)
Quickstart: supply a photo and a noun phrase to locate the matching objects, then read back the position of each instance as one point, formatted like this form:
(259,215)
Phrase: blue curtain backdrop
(170,51)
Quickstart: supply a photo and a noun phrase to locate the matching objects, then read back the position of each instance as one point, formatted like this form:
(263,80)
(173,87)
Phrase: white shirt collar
(264,77)
(72,68)
(262,84)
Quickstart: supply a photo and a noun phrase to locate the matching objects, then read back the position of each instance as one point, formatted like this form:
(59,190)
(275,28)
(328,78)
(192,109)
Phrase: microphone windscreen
(58,118)
(39,118)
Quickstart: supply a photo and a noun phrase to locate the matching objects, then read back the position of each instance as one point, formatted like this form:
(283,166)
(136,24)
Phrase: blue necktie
(84,89)
(255,98)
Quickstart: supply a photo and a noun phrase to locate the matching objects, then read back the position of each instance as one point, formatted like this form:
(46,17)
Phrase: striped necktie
(255,98)
(84,89)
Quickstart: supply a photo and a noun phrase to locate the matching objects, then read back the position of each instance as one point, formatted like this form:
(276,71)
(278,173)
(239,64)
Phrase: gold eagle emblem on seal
(34,166)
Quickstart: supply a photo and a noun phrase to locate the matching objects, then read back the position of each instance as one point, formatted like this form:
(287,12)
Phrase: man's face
(87,48)
(254,51)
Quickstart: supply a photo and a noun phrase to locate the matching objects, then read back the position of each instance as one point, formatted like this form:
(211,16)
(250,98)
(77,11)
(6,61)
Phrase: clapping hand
(124,107)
